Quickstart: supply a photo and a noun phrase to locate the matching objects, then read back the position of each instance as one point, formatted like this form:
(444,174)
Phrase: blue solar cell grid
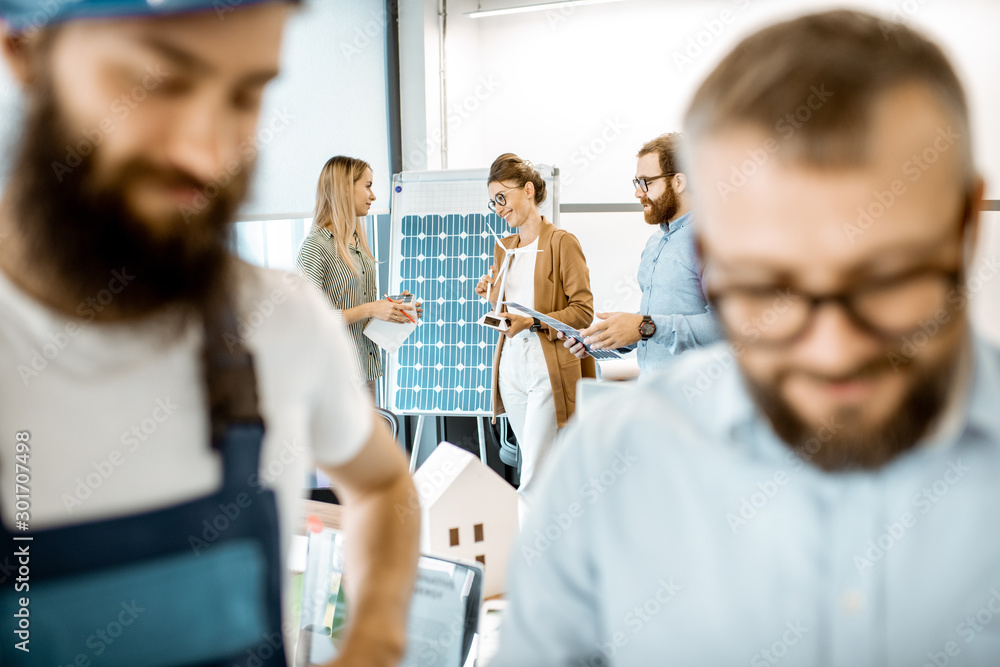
(445,365)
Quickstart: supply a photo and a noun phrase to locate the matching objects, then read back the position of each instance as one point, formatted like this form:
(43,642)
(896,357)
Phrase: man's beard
(842,441)
(663,209)
(80,232)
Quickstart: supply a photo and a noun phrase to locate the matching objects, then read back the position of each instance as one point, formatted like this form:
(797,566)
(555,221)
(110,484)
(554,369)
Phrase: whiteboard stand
(482,440)
(417,439)
(415,454)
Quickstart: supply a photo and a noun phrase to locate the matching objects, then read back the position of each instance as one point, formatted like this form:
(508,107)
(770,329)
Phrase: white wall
(584,87)
(333,87)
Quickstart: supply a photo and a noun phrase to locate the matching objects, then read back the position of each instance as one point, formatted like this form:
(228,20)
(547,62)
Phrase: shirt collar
(678,224)
(329,235)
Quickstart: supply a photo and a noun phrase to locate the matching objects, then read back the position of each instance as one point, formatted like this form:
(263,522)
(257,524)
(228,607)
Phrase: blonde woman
(534,375)
(335,257)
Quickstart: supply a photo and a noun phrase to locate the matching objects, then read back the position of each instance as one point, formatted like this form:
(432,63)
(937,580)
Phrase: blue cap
(24,15)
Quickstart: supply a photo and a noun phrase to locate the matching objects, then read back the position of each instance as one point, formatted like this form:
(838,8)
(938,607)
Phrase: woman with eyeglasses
(335,257)
(534,375)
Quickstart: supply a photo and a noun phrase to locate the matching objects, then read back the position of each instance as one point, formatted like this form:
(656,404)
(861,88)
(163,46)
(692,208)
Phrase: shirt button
(853,602)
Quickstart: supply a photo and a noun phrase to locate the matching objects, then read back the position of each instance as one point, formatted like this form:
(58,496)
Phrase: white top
(520,286)
(117,413)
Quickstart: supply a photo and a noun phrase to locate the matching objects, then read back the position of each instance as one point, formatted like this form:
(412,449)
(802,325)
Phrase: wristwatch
(647,327)
(536,325)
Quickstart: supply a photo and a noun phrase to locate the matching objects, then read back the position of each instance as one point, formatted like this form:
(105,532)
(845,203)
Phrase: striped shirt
(323,266)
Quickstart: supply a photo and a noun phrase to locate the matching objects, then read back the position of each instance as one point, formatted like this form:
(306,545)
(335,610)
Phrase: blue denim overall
(198,583)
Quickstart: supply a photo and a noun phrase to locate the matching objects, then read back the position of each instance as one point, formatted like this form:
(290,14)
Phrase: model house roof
(448,463)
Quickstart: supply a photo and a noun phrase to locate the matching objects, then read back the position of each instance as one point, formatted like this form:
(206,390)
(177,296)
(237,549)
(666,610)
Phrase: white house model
(467,512)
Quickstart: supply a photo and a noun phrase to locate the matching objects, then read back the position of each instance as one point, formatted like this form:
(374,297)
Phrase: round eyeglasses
(500,199)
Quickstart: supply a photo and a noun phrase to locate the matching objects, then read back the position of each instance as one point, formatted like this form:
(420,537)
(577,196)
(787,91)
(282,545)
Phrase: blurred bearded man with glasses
(823,490)
(674,314)
(163,401)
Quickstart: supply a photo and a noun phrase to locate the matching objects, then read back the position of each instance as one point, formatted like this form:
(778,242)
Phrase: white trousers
(526,392)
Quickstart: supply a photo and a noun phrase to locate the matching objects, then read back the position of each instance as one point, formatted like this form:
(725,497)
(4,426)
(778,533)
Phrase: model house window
(453,536)
(481,559)
(478,530)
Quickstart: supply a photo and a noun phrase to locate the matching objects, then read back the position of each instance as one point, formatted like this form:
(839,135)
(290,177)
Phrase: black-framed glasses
(643,183)
(888,309)
(500,199)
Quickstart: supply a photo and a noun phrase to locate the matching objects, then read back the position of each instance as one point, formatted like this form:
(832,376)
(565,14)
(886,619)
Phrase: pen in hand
(405,314)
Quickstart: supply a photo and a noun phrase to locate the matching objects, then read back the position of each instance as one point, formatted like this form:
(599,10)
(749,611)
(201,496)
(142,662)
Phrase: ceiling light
(558,4)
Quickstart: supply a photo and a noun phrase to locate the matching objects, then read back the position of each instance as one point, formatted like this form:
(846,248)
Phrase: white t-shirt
(520,287)
(117,413)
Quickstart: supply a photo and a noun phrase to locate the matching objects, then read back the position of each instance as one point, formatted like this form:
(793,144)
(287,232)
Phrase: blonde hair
(335,210)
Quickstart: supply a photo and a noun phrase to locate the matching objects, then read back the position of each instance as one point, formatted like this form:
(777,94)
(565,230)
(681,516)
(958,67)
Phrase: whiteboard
(440,246)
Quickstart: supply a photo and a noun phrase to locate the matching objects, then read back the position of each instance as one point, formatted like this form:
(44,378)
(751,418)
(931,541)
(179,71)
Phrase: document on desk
(566,330)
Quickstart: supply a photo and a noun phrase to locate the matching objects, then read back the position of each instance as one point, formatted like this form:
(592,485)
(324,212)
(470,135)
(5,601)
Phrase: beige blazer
(562,291)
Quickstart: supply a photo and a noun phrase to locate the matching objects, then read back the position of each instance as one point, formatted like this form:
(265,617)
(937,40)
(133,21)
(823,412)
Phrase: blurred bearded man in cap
(162,400)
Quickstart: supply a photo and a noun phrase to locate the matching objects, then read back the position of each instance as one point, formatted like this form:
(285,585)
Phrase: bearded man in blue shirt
(822,490)
(674,314)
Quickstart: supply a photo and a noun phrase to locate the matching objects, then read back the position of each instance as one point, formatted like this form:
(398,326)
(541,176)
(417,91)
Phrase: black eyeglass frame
(643,183)
(953,277)
(501,199)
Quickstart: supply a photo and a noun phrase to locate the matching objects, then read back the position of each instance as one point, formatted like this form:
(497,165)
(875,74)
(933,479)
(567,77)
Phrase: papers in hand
(565,329)
(390,335)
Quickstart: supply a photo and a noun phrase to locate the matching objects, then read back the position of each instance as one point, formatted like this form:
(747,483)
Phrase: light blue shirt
(674,528)
(670,278)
